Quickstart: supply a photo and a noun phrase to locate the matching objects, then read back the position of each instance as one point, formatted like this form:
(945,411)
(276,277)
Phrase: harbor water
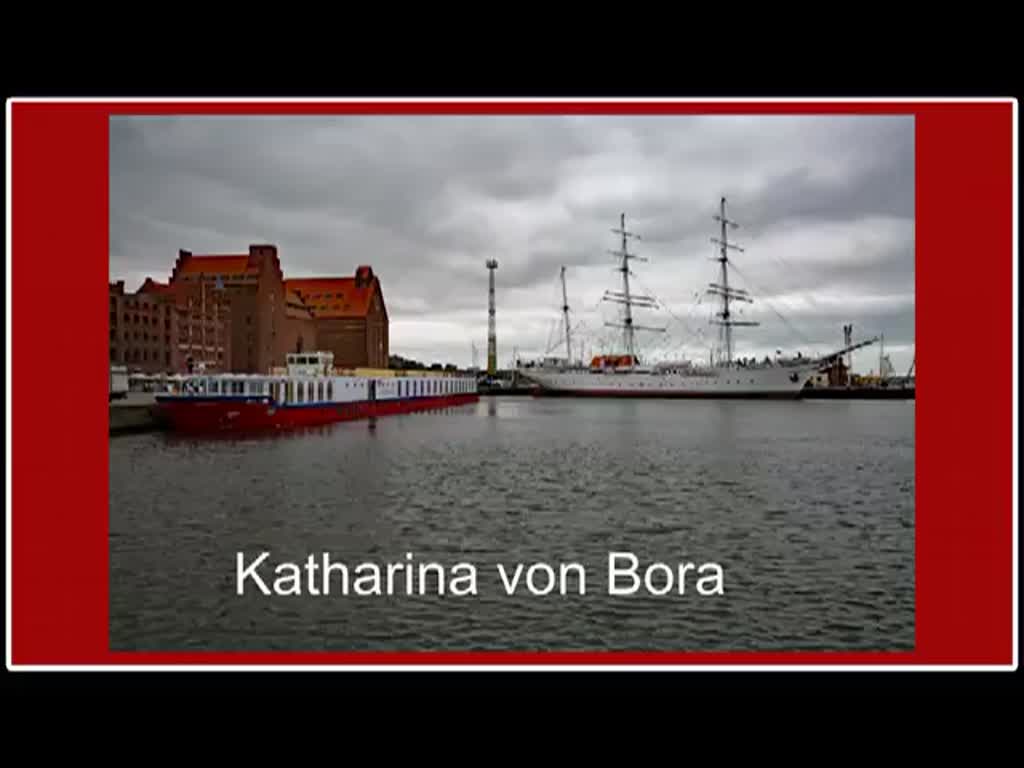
(807,507)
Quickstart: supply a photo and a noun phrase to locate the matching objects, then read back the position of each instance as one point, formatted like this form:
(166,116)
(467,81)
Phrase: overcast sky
(825,206)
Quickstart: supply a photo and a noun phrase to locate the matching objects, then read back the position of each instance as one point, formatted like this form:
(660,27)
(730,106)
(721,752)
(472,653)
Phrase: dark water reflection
(807,506)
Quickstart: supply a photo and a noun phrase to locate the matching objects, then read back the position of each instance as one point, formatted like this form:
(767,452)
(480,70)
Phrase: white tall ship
(624,375)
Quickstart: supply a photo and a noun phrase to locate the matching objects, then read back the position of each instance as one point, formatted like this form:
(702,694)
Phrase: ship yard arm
(831,357)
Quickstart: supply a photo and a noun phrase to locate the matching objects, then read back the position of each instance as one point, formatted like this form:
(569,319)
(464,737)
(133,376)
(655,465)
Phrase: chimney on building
(261,251)
(364,276)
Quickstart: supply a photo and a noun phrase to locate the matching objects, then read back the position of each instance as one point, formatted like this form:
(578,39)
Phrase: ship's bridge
(310,363)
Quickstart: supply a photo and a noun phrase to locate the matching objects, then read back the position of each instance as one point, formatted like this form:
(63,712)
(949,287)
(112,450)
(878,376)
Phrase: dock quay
(504,383)
(133,413)
(858,393)
(485,390)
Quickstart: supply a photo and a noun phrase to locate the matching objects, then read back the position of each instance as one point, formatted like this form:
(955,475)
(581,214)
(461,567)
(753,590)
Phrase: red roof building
(237,312)
(350,316)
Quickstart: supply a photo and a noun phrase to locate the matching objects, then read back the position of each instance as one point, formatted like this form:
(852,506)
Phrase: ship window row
(305,391)
(323,391)
(417,388)
(234,387)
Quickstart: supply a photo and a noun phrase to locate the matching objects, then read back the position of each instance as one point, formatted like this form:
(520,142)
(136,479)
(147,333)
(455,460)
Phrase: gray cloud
(826,206)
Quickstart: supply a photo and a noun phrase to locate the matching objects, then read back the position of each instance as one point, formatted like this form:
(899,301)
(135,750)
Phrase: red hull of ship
(227,415)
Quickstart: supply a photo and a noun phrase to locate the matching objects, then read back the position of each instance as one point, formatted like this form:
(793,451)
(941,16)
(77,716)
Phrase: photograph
(512,382)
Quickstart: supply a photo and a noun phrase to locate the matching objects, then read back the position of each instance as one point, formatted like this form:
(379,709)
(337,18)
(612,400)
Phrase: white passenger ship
(309,392)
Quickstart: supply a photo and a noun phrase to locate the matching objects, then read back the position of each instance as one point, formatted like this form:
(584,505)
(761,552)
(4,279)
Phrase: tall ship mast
(625,297)
(565,315)
(722,289)
(623,375)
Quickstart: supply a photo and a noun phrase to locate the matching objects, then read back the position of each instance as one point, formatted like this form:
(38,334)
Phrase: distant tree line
(404,363)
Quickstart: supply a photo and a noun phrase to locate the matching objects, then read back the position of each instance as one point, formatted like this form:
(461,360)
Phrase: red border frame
(965,440)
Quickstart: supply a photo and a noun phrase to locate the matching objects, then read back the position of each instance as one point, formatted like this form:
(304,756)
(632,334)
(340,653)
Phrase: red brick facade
(156,330)
(350,316)
(238,313)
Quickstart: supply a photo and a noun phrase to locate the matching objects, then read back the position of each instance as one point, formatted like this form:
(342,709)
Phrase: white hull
(769,381)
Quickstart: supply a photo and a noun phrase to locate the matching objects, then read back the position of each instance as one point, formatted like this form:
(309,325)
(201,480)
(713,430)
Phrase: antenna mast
(722,289)
(565,313)
(624,297)
(492,339)
(848,342)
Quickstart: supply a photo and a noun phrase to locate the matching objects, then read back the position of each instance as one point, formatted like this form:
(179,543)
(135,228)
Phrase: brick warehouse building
(154,330)
(349,315)
(256,316)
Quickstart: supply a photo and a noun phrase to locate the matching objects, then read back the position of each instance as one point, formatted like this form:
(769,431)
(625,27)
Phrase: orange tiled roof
(224,264)
(334,296)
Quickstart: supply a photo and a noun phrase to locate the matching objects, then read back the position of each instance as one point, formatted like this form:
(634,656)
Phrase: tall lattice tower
(847,343)
(492,337)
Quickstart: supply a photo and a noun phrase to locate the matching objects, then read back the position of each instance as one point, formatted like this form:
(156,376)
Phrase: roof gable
(328,297)
(152,286)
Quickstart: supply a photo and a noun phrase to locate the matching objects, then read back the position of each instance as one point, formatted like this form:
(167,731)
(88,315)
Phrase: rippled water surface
(808,507)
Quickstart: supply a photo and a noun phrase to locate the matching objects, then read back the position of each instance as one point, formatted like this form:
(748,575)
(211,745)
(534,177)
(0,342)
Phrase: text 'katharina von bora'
(624,574)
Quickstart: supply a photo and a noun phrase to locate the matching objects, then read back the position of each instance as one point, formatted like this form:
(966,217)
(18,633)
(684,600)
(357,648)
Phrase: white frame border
(509,667)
